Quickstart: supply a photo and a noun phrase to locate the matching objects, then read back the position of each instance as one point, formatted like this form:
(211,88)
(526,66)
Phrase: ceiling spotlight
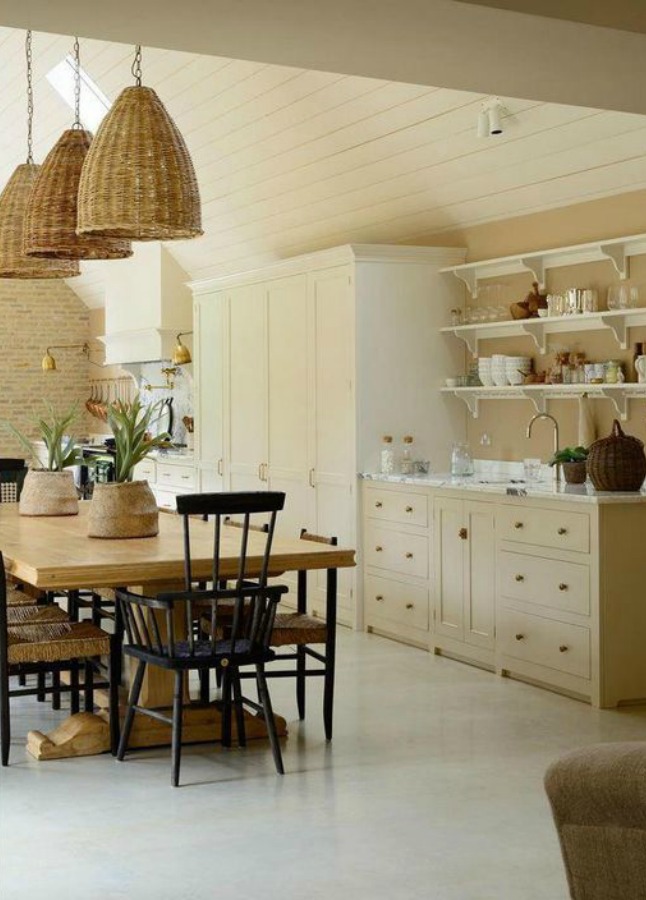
(490,118)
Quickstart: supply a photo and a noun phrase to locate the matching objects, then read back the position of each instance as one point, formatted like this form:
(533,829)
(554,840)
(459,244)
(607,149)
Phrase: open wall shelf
(616,251)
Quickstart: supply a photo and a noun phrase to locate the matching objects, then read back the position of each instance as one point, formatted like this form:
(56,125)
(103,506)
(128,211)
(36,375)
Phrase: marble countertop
(548,490)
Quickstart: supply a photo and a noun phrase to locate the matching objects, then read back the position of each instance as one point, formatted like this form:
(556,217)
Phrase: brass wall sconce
(48,362)
(181,353)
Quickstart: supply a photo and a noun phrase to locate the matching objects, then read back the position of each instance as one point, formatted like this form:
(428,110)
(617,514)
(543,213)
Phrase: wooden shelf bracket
(619,327)
(537,397)
(619,399)
(616,253)
(536,265)
(469,278)
(535,328)
(471,400)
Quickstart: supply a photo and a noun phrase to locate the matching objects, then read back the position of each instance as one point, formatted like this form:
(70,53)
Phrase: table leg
(330,652)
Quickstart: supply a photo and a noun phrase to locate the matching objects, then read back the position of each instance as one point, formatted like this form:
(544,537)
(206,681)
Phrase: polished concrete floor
(432,788)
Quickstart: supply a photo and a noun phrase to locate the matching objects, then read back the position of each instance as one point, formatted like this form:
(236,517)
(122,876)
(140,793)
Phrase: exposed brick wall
(34,314)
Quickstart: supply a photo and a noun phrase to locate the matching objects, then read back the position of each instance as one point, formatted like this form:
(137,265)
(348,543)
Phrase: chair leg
(237,699)
(135,690)
(300,681)
(88,687)
(75,699)
(5,721)
(40,684)
(330,653)
(22,679)
(56,692)
(204,685)
(226,708)
(177,727)
(96,610)
(114,665)
(269,719)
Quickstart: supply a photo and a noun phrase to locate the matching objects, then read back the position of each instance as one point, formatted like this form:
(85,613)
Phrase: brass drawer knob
(563,648)
(562,587)
(379,598)
(409,509)
(410,605)
(518,525)
(409,555)
(378,549)
(378,504)
(520,637)
(520,577)
(463,534)
(562,530)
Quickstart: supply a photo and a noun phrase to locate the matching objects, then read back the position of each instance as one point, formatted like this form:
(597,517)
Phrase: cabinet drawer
(175,476)
(397,506)
(544,642)
(146,470)
(405,553)
(403,604)
(548,582)
(545,528)
(166,499)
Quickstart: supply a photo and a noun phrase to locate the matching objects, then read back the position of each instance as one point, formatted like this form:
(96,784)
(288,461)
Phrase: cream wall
(35,314)
(504,422)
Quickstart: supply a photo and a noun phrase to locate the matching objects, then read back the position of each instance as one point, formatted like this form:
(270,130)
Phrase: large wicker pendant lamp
(138,180)
(50,226)
(14,263)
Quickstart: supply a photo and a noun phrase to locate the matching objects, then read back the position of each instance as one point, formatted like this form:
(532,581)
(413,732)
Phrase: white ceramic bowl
(500,379)
(515,378)
(486,379)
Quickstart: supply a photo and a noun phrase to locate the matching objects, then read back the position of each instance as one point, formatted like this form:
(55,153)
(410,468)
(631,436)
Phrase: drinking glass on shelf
(590,301)
(633,301)
(532,469)
(503,312)
(612,299)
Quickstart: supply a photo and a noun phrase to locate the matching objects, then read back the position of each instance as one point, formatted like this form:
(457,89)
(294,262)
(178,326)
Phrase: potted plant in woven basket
(49,489)
(572,461)
(126,508)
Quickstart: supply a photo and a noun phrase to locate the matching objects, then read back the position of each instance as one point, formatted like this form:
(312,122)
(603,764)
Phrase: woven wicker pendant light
(13,208)
(50,225)
(138,180)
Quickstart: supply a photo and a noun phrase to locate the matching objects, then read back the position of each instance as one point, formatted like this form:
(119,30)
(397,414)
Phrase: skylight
(94,103)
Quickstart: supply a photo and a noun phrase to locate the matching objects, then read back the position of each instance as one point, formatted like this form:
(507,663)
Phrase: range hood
(147,303)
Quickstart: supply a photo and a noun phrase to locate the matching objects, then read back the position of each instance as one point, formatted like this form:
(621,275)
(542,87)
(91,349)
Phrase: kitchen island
(543,582)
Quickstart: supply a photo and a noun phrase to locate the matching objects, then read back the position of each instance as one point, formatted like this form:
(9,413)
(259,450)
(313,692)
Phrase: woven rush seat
(17,597)
(35,615)
(56,642)
(296,628)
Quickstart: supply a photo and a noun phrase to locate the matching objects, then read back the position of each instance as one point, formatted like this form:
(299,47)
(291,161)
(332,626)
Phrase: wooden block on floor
(82,734)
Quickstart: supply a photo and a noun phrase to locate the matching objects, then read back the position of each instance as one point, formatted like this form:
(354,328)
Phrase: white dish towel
(587,424)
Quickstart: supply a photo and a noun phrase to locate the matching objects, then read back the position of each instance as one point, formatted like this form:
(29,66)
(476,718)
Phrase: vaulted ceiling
(291,160)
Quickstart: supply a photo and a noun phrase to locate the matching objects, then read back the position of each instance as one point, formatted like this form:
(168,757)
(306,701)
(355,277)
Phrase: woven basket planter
(138,181)
(617,463)
(46,493)
(52,211)
(14,263)
(123,510)
(574,472)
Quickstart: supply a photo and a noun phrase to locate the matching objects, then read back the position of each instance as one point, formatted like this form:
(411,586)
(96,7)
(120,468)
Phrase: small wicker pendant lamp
(50,225)
(138,180)
(13,208)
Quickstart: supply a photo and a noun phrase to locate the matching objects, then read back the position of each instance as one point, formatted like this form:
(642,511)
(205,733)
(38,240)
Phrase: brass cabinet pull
(410,605)
(562,530)
(409,509)
(563,648)
(562,587)
(463,534)
(260,478)
(520,577)
(409,555)
(518,524)
(378,549)
(378,504)
(220,466)
(311,478)
(379,598)
(520,637)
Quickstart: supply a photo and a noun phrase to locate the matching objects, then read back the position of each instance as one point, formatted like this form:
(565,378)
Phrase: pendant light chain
(30,101)
(77,85)
(136,66)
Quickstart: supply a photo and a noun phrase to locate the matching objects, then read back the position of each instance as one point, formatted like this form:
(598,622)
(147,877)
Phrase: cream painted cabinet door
(479,574)
(449,567)
(208,366)
(288,400)
(332,434)
(247,388)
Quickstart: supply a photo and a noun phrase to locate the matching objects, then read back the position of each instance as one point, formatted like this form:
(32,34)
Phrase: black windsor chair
(239,626)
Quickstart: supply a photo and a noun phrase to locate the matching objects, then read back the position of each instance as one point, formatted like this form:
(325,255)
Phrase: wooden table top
(56,552)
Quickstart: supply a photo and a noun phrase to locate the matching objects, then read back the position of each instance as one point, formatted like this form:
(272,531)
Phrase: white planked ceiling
(291,160)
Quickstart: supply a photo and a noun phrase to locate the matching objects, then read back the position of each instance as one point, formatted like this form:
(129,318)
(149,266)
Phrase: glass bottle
(407,460)
(387,455)
(461,461)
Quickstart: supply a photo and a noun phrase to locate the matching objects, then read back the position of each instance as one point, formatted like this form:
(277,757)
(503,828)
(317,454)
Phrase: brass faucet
(556,436)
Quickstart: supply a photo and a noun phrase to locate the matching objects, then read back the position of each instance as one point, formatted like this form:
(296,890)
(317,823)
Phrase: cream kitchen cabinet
(208,400)
(168,476)
(321,355)
(464,578)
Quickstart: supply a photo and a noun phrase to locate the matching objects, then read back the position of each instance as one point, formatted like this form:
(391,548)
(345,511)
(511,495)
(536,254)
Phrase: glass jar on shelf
(387,455)
(406,467)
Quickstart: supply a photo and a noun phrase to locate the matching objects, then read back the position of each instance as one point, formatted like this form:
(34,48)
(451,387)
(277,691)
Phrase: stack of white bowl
(499,370)
(484,371)
(517,367)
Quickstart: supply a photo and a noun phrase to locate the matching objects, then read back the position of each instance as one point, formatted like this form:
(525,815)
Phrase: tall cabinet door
(288,400)
(247,388)
(332,341)
(449,567)
(479,575)
(208,368)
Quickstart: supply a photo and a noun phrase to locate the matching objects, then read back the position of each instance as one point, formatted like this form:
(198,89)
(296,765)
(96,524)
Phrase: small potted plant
(126,508)
(49,488)
(573,464)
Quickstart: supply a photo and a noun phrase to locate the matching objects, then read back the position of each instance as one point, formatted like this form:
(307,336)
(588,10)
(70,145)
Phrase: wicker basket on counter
(617,463)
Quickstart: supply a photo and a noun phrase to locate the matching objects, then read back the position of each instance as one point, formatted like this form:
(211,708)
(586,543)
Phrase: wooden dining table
(56,554)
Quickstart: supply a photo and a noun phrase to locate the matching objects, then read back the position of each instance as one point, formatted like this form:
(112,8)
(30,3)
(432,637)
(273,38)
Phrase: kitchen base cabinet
(168,476)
